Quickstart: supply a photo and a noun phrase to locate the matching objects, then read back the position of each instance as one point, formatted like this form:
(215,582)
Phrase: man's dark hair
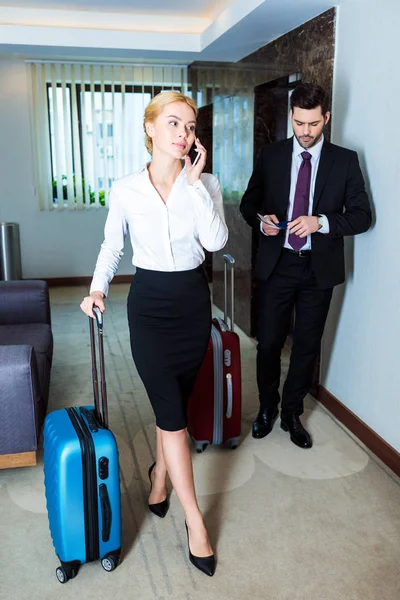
(309,96)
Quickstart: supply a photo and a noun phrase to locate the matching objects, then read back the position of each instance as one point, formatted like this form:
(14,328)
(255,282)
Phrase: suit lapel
(325,165)
(285,164)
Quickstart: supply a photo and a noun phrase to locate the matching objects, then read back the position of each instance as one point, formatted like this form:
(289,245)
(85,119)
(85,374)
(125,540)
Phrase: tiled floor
(287,524)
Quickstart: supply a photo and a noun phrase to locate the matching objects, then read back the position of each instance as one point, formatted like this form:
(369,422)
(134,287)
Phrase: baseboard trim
(70,281)
(386,453)
(23,459)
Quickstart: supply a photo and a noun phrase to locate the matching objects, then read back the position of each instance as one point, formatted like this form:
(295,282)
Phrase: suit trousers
(292,285)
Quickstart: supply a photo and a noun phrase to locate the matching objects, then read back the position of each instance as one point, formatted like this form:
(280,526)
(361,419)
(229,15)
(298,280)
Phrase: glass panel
(113,153)
(233,144)
(61,169)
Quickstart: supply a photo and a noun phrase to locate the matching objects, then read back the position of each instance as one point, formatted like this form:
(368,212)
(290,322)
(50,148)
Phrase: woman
(172,211)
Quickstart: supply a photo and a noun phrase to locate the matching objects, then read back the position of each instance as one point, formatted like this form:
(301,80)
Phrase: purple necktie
(301,198)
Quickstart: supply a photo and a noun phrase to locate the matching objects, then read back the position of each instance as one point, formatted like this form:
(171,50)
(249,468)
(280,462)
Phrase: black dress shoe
(298,434)
(264,423)
(205,564)
(161,508)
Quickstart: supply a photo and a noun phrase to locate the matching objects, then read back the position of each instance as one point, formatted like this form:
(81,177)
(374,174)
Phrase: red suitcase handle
(229,260)
(229,395)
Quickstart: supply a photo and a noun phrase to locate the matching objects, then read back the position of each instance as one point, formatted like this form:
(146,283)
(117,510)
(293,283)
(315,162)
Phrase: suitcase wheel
(233,443)
(61,575)
(200,447)
(108,563)
(67,571)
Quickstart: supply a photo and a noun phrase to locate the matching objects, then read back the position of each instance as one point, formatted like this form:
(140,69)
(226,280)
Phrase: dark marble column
(204,131)
(310,48)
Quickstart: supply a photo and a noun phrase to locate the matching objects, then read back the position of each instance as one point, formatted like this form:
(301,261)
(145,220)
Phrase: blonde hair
(156,106)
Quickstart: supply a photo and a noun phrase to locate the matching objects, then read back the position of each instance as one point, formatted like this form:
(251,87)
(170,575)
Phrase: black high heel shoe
(205,564)
(161,508)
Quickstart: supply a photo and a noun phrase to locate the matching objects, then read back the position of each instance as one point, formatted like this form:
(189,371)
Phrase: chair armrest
(19,396)
(24,302)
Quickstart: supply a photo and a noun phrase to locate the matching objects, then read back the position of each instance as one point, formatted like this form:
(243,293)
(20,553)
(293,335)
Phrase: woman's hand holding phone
(195,169)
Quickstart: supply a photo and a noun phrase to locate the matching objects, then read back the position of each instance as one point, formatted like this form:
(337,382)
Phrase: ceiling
(200,8)
(156,30)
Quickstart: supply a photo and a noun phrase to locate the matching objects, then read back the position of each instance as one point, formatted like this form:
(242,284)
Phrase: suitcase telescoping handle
(103,413)
(229,261)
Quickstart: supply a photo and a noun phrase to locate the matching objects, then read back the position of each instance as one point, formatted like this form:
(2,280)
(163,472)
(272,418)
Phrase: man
(319,189)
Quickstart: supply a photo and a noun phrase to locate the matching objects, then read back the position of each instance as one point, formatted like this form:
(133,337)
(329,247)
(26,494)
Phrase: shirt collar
(315,151)
(144,171)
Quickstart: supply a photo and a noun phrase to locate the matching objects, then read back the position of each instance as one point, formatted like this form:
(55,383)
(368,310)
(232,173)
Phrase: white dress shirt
(297,159)
(166,236)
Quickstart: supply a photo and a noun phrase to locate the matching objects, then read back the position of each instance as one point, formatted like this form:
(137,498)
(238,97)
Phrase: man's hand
(304,226)
(270,229)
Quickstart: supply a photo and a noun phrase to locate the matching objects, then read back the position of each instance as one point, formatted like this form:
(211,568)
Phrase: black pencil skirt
(169,316)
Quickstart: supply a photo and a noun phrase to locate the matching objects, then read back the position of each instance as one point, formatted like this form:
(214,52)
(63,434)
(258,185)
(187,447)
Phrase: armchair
(26,352)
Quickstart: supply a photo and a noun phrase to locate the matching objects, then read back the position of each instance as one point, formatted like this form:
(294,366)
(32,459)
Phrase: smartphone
(196,160)
(193,155)
(282,224)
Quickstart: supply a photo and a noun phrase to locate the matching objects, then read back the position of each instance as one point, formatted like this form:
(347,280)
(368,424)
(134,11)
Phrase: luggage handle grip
(229,260)
(99,316)
(103,414)
(106,512)
(229,389)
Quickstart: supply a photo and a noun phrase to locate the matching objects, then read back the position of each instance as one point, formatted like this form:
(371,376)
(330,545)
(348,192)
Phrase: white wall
(361,357)
(53,244)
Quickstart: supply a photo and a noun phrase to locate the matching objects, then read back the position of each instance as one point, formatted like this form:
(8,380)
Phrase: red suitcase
(215,405)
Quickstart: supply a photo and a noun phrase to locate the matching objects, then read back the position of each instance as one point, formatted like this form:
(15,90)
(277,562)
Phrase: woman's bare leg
(177,457)
(159,474)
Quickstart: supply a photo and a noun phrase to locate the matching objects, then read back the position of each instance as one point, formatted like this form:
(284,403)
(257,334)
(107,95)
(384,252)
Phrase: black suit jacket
(339,194)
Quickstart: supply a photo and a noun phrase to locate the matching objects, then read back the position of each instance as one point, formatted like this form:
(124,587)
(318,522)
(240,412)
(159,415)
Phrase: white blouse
(164,236)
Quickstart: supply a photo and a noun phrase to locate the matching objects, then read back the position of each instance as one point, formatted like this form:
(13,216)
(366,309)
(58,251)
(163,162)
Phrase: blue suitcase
(81,476)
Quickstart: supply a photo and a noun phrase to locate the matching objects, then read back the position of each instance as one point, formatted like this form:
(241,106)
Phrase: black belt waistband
(301,253)
(198,269)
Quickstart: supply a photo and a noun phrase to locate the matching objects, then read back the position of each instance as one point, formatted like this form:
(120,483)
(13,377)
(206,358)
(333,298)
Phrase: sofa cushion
(37,335)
